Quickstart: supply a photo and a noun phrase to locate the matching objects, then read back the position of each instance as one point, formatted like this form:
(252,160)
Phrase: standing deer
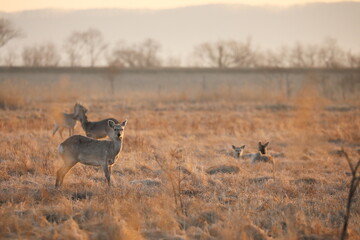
(95,130)
(92,152)
(65,120)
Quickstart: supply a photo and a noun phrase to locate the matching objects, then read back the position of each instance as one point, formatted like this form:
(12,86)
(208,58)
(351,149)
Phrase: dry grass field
(168,182)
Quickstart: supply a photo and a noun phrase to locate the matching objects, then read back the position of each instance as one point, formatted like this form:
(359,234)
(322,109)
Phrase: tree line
(89,48)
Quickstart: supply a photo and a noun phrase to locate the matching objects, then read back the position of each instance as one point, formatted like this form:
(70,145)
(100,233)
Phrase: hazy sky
(19,5)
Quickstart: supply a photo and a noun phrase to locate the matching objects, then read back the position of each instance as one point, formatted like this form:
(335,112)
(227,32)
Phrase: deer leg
(109,169)
(60,131)
(60,174)
(56,127)
(107,173)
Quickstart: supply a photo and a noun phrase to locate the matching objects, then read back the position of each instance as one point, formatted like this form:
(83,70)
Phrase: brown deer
(92,152)
(95,130)
(238,151)
(65,120)
(262,156)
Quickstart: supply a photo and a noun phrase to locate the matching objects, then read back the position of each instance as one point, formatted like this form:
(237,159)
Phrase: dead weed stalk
(174,174)
(354,183)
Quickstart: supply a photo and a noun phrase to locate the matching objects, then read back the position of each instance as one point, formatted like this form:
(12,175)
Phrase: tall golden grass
(160,186)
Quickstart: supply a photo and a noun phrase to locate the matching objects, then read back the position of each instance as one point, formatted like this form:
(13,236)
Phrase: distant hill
(180,29)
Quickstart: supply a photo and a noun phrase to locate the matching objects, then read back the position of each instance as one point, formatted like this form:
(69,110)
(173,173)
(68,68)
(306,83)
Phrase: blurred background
(194,78)
(228,34)
(227,49)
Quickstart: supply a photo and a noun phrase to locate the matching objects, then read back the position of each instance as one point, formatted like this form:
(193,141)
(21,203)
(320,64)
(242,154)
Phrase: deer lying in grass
(261,156)
(239,152)
(92,152)
(65,120)
(95,130)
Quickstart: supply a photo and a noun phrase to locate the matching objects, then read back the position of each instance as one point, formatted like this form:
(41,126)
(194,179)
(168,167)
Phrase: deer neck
(117,144)
(84,122)
(262,151)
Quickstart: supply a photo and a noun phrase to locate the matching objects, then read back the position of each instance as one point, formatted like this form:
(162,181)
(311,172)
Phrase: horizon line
(274,6)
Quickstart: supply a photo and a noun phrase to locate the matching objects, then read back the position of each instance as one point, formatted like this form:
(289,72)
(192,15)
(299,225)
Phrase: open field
(162,186)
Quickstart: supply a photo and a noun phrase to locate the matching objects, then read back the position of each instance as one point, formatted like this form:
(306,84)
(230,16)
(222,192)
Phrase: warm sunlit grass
(160,186)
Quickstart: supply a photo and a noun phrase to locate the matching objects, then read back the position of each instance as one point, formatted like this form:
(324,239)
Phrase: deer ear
(124,123)
(111,123)
(233,147)
(265,145)
(242,147)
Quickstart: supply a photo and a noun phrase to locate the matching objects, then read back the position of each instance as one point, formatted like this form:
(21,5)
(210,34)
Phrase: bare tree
(41,55)
(326,55)
(123,55)
(331,55)
(148,53)
(274,59)
(353,60)
(225,54)
(10,58)
(172,61)
(213,54)
(74,48)
(243,54)
(230,54)
(354,183)
(144,54)
(303,56)
(94,45)
(7,31)
(89,43)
